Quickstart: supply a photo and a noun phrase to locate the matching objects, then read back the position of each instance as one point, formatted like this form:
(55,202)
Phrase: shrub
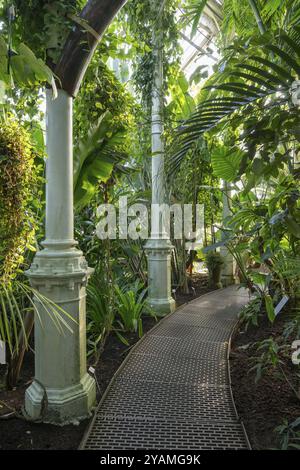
(214,262)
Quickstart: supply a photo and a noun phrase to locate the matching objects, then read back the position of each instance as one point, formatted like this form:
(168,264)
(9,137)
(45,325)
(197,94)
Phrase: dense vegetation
(235,131)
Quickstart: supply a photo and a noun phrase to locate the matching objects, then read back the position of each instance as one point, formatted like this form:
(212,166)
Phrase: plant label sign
(281,304)
(2,353)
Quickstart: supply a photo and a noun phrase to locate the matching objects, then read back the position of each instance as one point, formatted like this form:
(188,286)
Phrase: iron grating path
(173,390)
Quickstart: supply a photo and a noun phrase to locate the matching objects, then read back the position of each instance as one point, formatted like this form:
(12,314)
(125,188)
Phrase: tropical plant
(269,360)
(292,326)
(100,314)
(21,68)
(96,157)
(102,150)
(130,307)
(249,315)
(214,262)
(249,81)
(289,434)
(286,271)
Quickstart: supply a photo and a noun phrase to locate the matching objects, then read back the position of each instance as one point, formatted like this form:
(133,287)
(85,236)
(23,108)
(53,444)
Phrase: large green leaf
(25,69)
(269,308)
(96,157)
(226,163)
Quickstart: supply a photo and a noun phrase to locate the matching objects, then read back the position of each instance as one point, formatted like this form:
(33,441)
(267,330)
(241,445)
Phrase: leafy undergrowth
(265,403)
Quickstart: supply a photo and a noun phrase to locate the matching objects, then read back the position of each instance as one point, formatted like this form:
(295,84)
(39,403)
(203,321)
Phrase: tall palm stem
(258,17)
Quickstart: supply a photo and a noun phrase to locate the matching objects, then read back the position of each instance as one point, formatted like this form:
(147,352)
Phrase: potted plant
(214,262)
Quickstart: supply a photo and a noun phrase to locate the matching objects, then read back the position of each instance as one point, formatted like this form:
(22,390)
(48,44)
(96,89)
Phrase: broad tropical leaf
(96,157)
(226,163)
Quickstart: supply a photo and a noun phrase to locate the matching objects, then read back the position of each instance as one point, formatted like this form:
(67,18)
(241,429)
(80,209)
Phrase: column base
(61,406)
(228,281)
(227,274)
(162,306)
(62,391)
(159,276)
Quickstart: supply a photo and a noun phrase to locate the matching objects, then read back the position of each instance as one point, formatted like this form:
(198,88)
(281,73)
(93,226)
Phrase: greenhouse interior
(150,229)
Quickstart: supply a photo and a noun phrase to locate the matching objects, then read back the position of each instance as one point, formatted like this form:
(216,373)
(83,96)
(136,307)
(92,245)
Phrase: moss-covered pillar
(62,390)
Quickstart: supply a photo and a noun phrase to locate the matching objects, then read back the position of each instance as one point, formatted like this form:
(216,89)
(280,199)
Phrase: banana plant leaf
(96,157)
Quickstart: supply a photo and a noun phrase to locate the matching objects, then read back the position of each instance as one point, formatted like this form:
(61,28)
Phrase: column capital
(159,245)
(50,270)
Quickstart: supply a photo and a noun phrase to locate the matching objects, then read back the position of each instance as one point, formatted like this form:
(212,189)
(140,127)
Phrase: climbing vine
(143,19)
(101,92)
(45,24)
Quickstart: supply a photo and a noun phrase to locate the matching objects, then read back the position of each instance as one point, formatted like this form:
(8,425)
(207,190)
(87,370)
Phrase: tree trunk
(258,17)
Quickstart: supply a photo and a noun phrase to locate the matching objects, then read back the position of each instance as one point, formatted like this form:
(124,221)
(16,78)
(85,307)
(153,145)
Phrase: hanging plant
(18,178)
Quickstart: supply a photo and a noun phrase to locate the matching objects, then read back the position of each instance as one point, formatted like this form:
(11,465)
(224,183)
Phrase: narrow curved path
(173,390)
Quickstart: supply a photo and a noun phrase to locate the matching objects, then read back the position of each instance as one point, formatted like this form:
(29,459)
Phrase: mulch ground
(20,434)
(263,405)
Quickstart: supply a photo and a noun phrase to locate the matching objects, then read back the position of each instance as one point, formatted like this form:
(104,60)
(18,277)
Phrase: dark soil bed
(19,434)
(198,285)
(263,405)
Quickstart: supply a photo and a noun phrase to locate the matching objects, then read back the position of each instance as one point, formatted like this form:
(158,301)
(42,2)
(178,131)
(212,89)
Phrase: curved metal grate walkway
(173,390)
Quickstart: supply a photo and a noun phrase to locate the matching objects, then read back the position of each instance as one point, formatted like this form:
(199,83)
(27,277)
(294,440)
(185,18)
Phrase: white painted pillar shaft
(157,129)
(59,170)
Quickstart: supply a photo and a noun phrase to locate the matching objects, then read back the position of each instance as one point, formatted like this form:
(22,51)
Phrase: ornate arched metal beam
(81,44)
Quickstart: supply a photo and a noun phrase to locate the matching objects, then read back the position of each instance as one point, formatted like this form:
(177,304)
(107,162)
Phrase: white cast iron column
(228,269)
(159,248)
(62,391)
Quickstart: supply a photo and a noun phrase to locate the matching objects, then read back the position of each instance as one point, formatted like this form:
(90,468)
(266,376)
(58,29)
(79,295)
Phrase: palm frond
(255,79)
(16,301)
